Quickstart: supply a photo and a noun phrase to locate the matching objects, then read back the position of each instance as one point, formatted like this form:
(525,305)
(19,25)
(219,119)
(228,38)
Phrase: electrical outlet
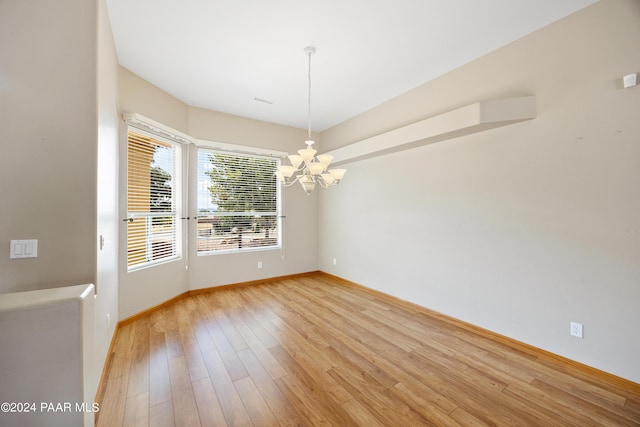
(576,329)
(259,264)
(108,320)
(335,262)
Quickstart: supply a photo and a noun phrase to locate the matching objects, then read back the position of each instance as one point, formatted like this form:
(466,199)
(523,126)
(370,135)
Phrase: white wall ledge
(466,120)
(47,354)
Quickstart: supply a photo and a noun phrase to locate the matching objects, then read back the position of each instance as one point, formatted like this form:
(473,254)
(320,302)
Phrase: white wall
(519,229)
(47,357)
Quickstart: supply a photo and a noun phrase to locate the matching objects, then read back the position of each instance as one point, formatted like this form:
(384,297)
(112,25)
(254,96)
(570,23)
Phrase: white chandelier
(312,168)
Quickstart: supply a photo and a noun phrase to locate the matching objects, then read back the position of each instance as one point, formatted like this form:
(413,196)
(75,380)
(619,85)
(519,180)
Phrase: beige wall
(106,308)
(58,139)
(299,252)
(145,288)
(48,141)
(520,229)
(136,95)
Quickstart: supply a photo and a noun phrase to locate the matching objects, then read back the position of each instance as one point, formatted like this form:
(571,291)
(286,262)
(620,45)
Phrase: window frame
(177,191)
(276,159)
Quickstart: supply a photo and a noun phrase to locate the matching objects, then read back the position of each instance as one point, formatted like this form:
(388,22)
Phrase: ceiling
(232,55)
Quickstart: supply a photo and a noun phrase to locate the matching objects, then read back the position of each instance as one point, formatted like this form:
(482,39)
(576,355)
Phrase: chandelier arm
(287,183)
(323,184)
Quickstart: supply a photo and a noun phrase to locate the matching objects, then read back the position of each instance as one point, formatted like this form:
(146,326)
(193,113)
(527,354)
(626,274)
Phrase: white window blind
(238,202)
(152,199)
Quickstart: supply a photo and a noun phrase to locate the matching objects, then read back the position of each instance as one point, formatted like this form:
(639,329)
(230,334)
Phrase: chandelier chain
(307,168)
(309,99)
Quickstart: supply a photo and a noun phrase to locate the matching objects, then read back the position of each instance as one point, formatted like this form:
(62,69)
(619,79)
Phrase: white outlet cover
(576,329)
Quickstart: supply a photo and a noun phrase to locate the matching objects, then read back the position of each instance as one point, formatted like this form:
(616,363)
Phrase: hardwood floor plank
(313,391)
(599,415)
(185,409)
(208,406)
(136,412)
(469,374)
(256,406)
(632,404)
(257,346)
(205,342)
(319,351)
(561,409)
(172,337)
(232,407)
(190,346)
(360,414)
(415,399)
(121,360)
(301,337)
(227,354)
(280,406)
(587,391)
(161,415)
(345,321)
(219,317)
(465,419)
(159,380)
(419,398)
(139,365)
(296,319)
(250,320)
(503,371)
(315,407)
(340,338)
(307,410)
(378,329)
(114,401)
(479,395)
(383,405)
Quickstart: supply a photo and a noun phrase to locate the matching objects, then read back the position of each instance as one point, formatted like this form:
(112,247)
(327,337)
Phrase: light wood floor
(316,351)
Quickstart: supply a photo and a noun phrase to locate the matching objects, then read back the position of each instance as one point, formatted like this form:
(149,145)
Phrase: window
(238,202)
(152,199)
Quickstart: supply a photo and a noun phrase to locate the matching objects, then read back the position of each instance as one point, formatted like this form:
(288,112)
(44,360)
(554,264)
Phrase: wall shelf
(466,120)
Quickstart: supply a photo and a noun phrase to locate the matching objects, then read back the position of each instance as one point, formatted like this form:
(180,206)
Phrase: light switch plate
(629,80)
(24,249)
